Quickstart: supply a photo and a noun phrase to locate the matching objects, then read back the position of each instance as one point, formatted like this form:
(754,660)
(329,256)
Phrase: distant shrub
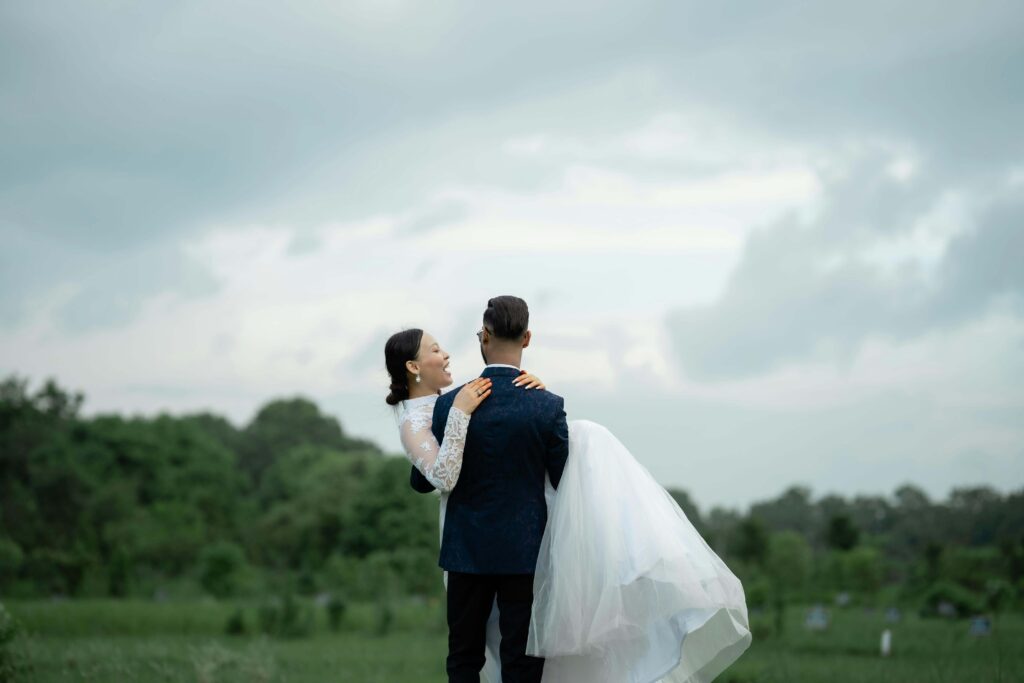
(286,618)
(336,608)
(762,624)
(8,629)
(965,601)
(10,559)
(385,617)
(56,571)
(8,632)
(306,582)
(999,594)
(119,574)
(376,576)
(406,571)
(971,566)
(235,625)
(341,573)
(415,570)
(267,617)
(864,571)
(220,568)
(758,592)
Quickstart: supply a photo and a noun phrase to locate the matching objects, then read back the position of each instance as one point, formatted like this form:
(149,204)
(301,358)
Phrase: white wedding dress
(626,590)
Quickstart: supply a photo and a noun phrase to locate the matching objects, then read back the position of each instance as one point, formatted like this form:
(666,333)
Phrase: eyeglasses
(480,334)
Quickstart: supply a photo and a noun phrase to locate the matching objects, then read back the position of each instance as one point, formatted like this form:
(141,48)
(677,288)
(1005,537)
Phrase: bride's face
(432,365)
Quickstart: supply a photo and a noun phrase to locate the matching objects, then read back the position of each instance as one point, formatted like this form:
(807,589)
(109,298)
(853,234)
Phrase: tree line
(181,505)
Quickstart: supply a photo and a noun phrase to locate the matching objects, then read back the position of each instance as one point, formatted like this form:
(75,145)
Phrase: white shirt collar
(502,365)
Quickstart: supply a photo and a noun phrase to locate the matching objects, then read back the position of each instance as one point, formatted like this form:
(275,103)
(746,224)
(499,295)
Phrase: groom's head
(506,330)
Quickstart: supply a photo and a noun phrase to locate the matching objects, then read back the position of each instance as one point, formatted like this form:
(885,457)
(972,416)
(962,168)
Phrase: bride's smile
(429,371)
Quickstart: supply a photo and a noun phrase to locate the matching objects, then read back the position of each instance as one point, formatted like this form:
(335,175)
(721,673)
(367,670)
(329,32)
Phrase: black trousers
(470,598)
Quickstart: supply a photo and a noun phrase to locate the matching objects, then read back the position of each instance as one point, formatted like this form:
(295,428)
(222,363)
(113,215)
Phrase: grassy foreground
(151,642)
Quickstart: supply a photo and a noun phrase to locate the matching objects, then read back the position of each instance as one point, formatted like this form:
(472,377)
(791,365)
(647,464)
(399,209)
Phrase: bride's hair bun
(401,347)
(399,392)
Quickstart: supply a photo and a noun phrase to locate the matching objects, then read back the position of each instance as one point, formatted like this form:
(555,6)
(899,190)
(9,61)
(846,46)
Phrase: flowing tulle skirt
(626,590)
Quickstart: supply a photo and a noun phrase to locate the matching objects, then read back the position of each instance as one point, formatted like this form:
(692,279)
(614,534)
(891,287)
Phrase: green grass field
(107,641)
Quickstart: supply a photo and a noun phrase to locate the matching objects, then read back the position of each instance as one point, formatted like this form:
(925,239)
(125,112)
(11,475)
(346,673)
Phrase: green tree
(972,567)
(792,510)
(916,523)
(977,513)
(221,565)
(386,516)
(788,563)
(842,534)
(284,424)
(11,558)
(872,514)
(124,502)
(310,495)
(751,541)
(864,571)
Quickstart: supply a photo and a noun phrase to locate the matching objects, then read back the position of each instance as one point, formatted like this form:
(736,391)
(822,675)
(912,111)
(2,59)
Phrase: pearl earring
(417,379)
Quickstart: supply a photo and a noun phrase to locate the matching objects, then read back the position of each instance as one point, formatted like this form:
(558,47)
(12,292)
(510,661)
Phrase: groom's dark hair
(507,317)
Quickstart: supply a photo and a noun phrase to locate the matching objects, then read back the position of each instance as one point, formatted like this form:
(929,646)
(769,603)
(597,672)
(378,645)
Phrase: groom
(496,513)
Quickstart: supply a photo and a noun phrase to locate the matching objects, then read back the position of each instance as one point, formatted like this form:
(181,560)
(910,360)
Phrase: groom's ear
(526,339)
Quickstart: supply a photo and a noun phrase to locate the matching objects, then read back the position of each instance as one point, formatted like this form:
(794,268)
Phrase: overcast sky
(764,243)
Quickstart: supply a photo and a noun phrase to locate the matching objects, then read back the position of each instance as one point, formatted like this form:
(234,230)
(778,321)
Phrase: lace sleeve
(440,464)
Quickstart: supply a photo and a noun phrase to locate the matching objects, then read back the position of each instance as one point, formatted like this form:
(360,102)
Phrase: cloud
(717,212)
(984,263)
(136,125)
(823,287)
(85,288)
(443,214)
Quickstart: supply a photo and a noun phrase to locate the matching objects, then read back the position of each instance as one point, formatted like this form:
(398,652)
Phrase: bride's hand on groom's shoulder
(529,381)
(472,395)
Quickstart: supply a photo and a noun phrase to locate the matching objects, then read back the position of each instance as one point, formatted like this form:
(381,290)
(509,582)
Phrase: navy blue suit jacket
(496,513)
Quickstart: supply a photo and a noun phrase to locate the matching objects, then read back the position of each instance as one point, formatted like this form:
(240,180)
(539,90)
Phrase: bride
(625,589)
